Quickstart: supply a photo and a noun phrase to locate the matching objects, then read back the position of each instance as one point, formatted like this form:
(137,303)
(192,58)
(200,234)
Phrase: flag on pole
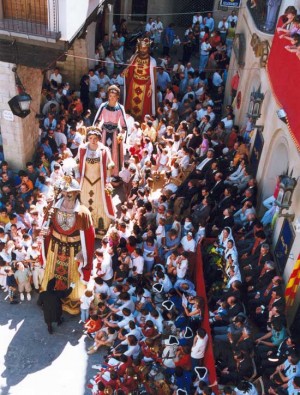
(293,283)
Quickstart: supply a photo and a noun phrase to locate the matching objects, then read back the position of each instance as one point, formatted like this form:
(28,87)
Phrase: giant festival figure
(69,230)
(93,174)
(140,82)
(111,119)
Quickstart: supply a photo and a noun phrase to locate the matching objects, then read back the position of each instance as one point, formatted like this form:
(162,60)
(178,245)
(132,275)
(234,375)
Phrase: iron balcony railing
(265,17)
(36,18)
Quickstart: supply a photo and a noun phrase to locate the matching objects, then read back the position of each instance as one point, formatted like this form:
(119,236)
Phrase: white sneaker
(97,367)
(28,297)
(21,297)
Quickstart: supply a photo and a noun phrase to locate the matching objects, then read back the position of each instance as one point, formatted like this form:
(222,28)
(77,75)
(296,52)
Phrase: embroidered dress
(70,232)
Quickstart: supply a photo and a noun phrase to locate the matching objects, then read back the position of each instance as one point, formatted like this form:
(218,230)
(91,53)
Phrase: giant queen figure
(140,82)
(111,119)
(69,233)
(93,174)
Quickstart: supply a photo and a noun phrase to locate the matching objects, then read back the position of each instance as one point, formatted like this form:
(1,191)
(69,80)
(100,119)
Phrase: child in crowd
(85,303)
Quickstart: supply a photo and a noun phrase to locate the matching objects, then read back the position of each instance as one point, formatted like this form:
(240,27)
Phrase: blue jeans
(84,314)
(203,62)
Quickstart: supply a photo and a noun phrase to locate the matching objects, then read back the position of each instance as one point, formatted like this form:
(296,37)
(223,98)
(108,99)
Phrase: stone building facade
(273,146)
(33,37)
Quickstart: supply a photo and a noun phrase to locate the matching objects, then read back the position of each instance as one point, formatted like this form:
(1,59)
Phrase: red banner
(209,360)
(284,74)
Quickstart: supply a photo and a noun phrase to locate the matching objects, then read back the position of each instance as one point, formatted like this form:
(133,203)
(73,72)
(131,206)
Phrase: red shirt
(185,362)
(93,326)
(235,82)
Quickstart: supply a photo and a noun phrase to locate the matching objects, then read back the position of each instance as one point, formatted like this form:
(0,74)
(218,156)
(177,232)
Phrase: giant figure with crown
(140,82)
(69,244)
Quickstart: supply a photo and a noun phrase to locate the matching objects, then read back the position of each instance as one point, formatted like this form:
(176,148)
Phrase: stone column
(110,9)
(19,136)
(90,39)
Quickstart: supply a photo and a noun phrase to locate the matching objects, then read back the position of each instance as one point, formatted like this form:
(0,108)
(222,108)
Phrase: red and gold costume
(140,82)
(69,234)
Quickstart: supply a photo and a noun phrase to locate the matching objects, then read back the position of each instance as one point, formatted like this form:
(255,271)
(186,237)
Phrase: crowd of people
(186,181)
(290,30)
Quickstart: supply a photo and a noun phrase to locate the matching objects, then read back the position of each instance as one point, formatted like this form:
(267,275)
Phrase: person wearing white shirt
(228,122)
(198,18)
(120,79)
(94,83)
(133,330)
(148,146)
(55,79)
(104,80)
(247,388)
(13,220)
(178,68)
(158,31)
(181,266)
(199,347)
(100,287)
(165,281)
(157,320)
(149,26)
(200,233)
(160,232)
(209,111)
(76,139)
(33,254)
(98,100)
(188,31)
(134,348)
(199,92)
(124,302)
(106,272)
(134,134)
(85,302)
(188,243)
(126,317)
(223,27)
(60,137)
(217,79)
(137,262)
(125,174)
(234,275)
(184,162)
(204,54)
(200,111)
(56,174)
(123,231)
(232,18)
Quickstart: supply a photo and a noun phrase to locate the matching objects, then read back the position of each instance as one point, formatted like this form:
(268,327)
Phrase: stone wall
(73,68)
(19,136)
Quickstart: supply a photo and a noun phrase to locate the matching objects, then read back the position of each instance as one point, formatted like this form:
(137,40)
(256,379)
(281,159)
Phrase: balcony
(264,17)
(283,69)
(33,19)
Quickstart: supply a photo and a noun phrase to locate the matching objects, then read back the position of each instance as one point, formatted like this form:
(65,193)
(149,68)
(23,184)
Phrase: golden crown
(144,42)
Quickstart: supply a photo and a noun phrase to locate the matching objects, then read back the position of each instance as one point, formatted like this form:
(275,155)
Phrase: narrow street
(32,362)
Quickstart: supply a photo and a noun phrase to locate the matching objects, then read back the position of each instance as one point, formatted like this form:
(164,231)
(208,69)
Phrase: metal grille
(192,6)
(31,17)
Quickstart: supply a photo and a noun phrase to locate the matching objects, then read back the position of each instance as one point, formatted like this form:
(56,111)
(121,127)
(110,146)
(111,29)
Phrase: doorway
(139,10)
